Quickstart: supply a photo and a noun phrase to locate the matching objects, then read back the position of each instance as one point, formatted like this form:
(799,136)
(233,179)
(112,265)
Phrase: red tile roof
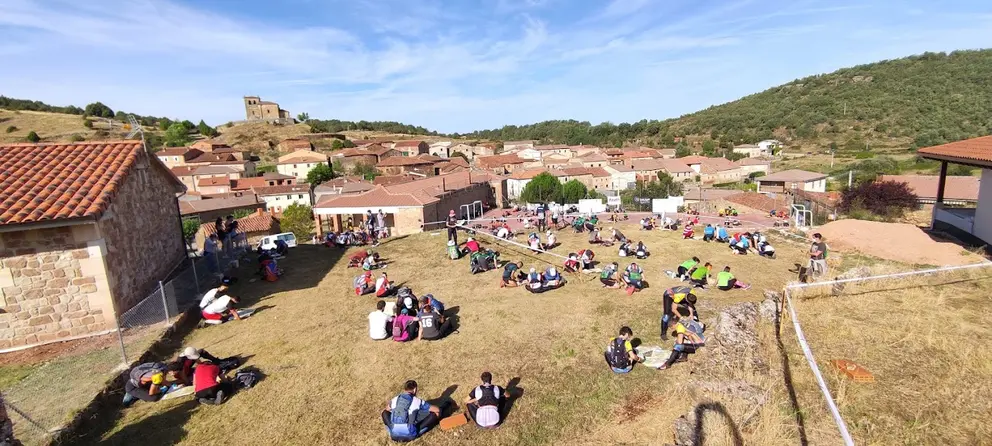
(248,183)
(672,165)
(42,182)
(792,176)
(647,165)
(457,161)
(213,181)
(974,149)
(408,143)
(282,189)
(372,150)
(692,159)
(925,186)
(394,161)
(377,197)
(260,221)
(527,174)
(216,204)
(174,151)
(490,162)
(389,180)
(183,171)
(715,165)
(754,162)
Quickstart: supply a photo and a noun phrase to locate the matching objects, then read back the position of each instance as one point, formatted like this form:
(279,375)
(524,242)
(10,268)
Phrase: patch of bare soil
(898,242)
(51,351)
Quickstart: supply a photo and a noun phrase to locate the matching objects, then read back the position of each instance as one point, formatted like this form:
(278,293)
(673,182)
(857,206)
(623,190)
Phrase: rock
(769,307)
(685,430)
(853,273)
(735,327)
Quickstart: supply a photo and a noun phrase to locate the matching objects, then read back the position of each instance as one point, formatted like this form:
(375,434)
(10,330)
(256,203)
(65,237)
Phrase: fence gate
(472,210)
(803,217)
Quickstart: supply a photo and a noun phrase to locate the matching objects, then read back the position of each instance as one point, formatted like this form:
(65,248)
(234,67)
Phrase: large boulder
(769,307)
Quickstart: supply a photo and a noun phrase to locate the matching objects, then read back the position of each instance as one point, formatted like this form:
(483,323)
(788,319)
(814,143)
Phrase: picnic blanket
(653,355)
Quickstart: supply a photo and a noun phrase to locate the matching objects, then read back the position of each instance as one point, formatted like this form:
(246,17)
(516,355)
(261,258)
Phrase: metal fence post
(196,278)
(120,338)
(165,303)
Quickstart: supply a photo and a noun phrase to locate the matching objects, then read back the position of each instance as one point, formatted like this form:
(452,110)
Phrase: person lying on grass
(407,417)
(620,354)
(671,300)
(433,324)
(686,268)
(633,278)
(380,323)
(486,402)
(512,275)
(726,281)
(688,338)
(609,276)
(698,277)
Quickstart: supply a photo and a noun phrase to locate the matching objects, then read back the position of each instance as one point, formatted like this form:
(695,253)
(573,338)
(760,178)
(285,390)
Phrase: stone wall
(143,235)
(53,285)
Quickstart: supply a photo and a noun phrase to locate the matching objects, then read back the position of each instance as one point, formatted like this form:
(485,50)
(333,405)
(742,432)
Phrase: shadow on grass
(787,381)
(163,428)
(700,412)
(516,392)
(445,402)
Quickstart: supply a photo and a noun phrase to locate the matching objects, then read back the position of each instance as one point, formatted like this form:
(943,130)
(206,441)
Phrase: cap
(158,378)
(533,270)
(191,353)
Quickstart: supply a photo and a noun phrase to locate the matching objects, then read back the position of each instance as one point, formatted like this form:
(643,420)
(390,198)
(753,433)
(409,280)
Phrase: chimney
(442,185)
(258,212)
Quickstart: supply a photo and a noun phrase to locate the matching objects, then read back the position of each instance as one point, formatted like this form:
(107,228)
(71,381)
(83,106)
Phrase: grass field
(925,339)
(49,126)
(327,382)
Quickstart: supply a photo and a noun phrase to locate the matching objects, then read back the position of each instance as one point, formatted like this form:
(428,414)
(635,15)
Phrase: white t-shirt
(487,416)
(209,246)
(219,306)
(208,297)
(380,283)
(377,325)
(502,233)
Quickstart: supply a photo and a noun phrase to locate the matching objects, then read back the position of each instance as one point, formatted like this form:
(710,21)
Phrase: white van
(269,241)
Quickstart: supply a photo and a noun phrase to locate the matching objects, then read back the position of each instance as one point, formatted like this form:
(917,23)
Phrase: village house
(213,185)
(667,153)
(677,169)
(752,165)
(265,111)
(750,150)
(499,164)
(517,181)
(518,145)
(464,149)
(255,226)
(364,143)
(400,165)
(192,176)
(719,171)
(621,177)
(370,156)
(412,147)
(278,198)
(413,206)
(208,210)
(973,224)
(210,145)
(581,150)
(341,186)
(75,220)
(593,159)
(527,153)
(768,146)
(788,180)
(177,156)
(440,149)
(647,169)
(294,144)
(299,163)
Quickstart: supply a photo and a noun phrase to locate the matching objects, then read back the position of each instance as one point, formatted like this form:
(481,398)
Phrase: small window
(289,197)
(301,196)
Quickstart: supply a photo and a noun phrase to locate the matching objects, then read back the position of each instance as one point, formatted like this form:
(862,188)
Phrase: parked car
(269,242)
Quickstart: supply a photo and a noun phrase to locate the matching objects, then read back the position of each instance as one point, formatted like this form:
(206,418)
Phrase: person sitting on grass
(534,279)
(572,263)
(383,287)
(433,324)
(552,240)
(688,339)
(620,353)
(624,250)
(380,323)
(511,274)
(686,268)
(371,261)
(721,234)
(407,417)
(641,252)
(594,236)
(405,299)
(609,276)
(471,246)
(358,259)
(221,310)
(709,233)
(404,325)
(210,385)
(740,243)
(485,403)
(646,224)
(726,281)
(586,257)
(698,277)
(535,243)
(687,231)
(671,300)
(633,277)
(618,236)
(146,382)
(364,284)
(187,362)
(552,279)
(503,232)
(765,249)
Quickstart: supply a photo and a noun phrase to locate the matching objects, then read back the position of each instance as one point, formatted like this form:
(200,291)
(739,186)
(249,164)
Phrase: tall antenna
(135,130)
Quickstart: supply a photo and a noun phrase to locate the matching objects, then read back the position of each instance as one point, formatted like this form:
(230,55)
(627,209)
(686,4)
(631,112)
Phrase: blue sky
(454,65)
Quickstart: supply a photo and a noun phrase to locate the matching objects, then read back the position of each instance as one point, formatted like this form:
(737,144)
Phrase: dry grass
(925,339)
(326,381)
(49,126)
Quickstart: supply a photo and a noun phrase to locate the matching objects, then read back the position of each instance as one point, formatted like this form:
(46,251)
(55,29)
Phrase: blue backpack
(402,429)
(438,305)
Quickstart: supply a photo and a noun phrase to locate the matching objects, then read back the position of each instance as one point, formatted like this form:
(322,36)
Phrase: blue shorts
(626,370)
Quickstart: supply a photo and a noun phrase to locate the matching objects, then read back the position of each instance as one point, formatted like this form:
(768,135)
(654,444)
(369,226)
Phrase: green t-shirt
(723,278)
(688,264)
(700,273)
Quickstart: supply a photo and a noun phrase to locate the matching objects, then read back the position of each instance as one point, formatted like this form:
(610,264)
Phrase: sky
(454,65)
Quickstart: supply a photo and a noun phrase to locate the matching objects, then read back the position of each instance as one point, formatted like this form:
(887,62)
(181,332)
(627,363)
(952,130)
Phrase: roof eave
(46,224)
(957,160)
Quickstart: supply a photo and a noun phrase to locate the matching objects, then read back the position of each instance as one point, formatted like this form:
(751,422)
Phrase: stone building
(86,231)
(265,111)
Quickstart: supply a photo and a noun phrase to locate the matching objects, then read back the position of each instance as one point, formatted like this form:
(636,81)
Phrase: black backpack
(246,378)
(616,355)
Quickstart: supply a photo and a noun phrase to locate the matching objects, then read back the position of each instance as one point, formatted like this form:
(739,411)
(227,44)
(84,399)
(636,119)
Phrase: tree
(337,144)
(32,137)
(205,129)
(542,188)
(887,199)
(298,219)
(348,144)
(87,123)
(709,147)
(303,117)
(265,169)
(242,213)
(320,173)
(164,124)
(190,227)
(572,191)
(177,135)
(188,125)
(98,109)
(76,137)
(365,171)
(667,186)
(682,151)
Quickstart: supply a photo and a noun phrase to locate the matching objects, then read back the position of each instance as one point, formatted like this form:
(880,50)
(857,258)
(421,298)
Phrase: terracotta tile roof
(282,189)
(343,187)
(925,186)
(395,161)
(551,147)
(377,197)
(260,221)
(277,176)
(440,184)
(216,204)
(974,149)
(341,181)
(42,182)
(372,150)
(366,142)
(213,181)
(593,157)
(490,162)
(647,165)
(183,171)
(597,172)
(576,171)
(526,174)
(214,170)
(408,143)
(174,151)
(389,180)
(314,158)
(674,166)
(248,183)
(754,162)
(431,158)
(212,158)
(792,176)
(457,161)
(716,165)
(692,159)
(620,168)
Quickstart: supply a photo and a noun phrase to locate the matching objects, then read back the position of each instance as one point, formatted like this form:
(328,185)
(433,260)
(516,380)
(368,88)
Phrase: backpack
(397,329)
(607,272)
(401,428)
(616,354)
(144,369)
(247,378)
(436,304)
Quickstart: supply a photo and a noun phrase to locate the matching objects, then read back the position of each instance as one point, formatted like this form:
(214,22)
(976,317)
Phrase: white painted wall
(816,186)
(983,215)
(515,187)
(298,170)
(279,203)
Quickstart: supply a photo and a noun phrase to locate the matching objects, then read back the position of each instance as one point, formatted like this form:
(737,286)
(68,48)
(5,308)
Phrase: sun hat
(191,353)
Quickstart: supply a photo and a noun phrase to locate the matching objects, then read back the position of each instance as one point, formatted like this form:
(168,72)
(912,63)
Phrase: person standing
(818,256)
(210,254)
(452,225)
(380,220)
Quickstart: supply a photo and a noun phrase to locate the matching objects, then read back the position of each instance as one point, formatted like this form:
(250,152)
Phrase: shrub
(887,199)
(76,138)
(864,155)
(87,123)
(33,137)
(11,129)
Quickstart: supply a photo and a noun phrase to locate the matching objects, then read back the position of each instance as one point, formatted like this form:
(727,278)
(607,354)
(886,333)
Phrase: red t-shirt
(472,246)
(205,376)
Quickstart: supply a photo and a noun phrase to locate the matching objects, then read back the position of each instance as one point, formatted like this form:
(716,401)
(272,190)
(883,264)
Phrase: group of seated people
(632,277)
(535,244)
(381,286)
(217,306)
(578,261)
(534,280)
(741,243)
(268,268)
(407,417)
(580,223)
(195,367)
(619,216)
(628,249)
(367,260)
(410,318)
(698,276)
(347,238)
(621,356)
(718,233)
(729,211)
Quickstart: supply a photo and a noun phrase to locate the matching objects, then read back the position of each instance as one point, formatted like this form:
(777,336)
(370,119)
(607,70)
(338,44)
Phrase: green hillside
(915,101)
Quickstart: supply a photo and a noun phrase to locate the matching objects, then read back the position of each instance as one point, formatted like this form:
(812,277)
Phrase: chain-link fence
(44,387)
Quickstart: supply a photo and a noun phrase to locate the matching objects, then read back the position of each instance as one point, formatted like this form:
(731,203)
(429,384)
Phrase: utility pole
(850,178)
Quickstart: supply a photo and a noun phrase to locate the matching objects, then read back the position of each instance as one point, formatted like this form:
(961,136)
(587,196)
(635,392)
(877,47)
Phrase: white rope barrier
(513,242)
(808,353)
